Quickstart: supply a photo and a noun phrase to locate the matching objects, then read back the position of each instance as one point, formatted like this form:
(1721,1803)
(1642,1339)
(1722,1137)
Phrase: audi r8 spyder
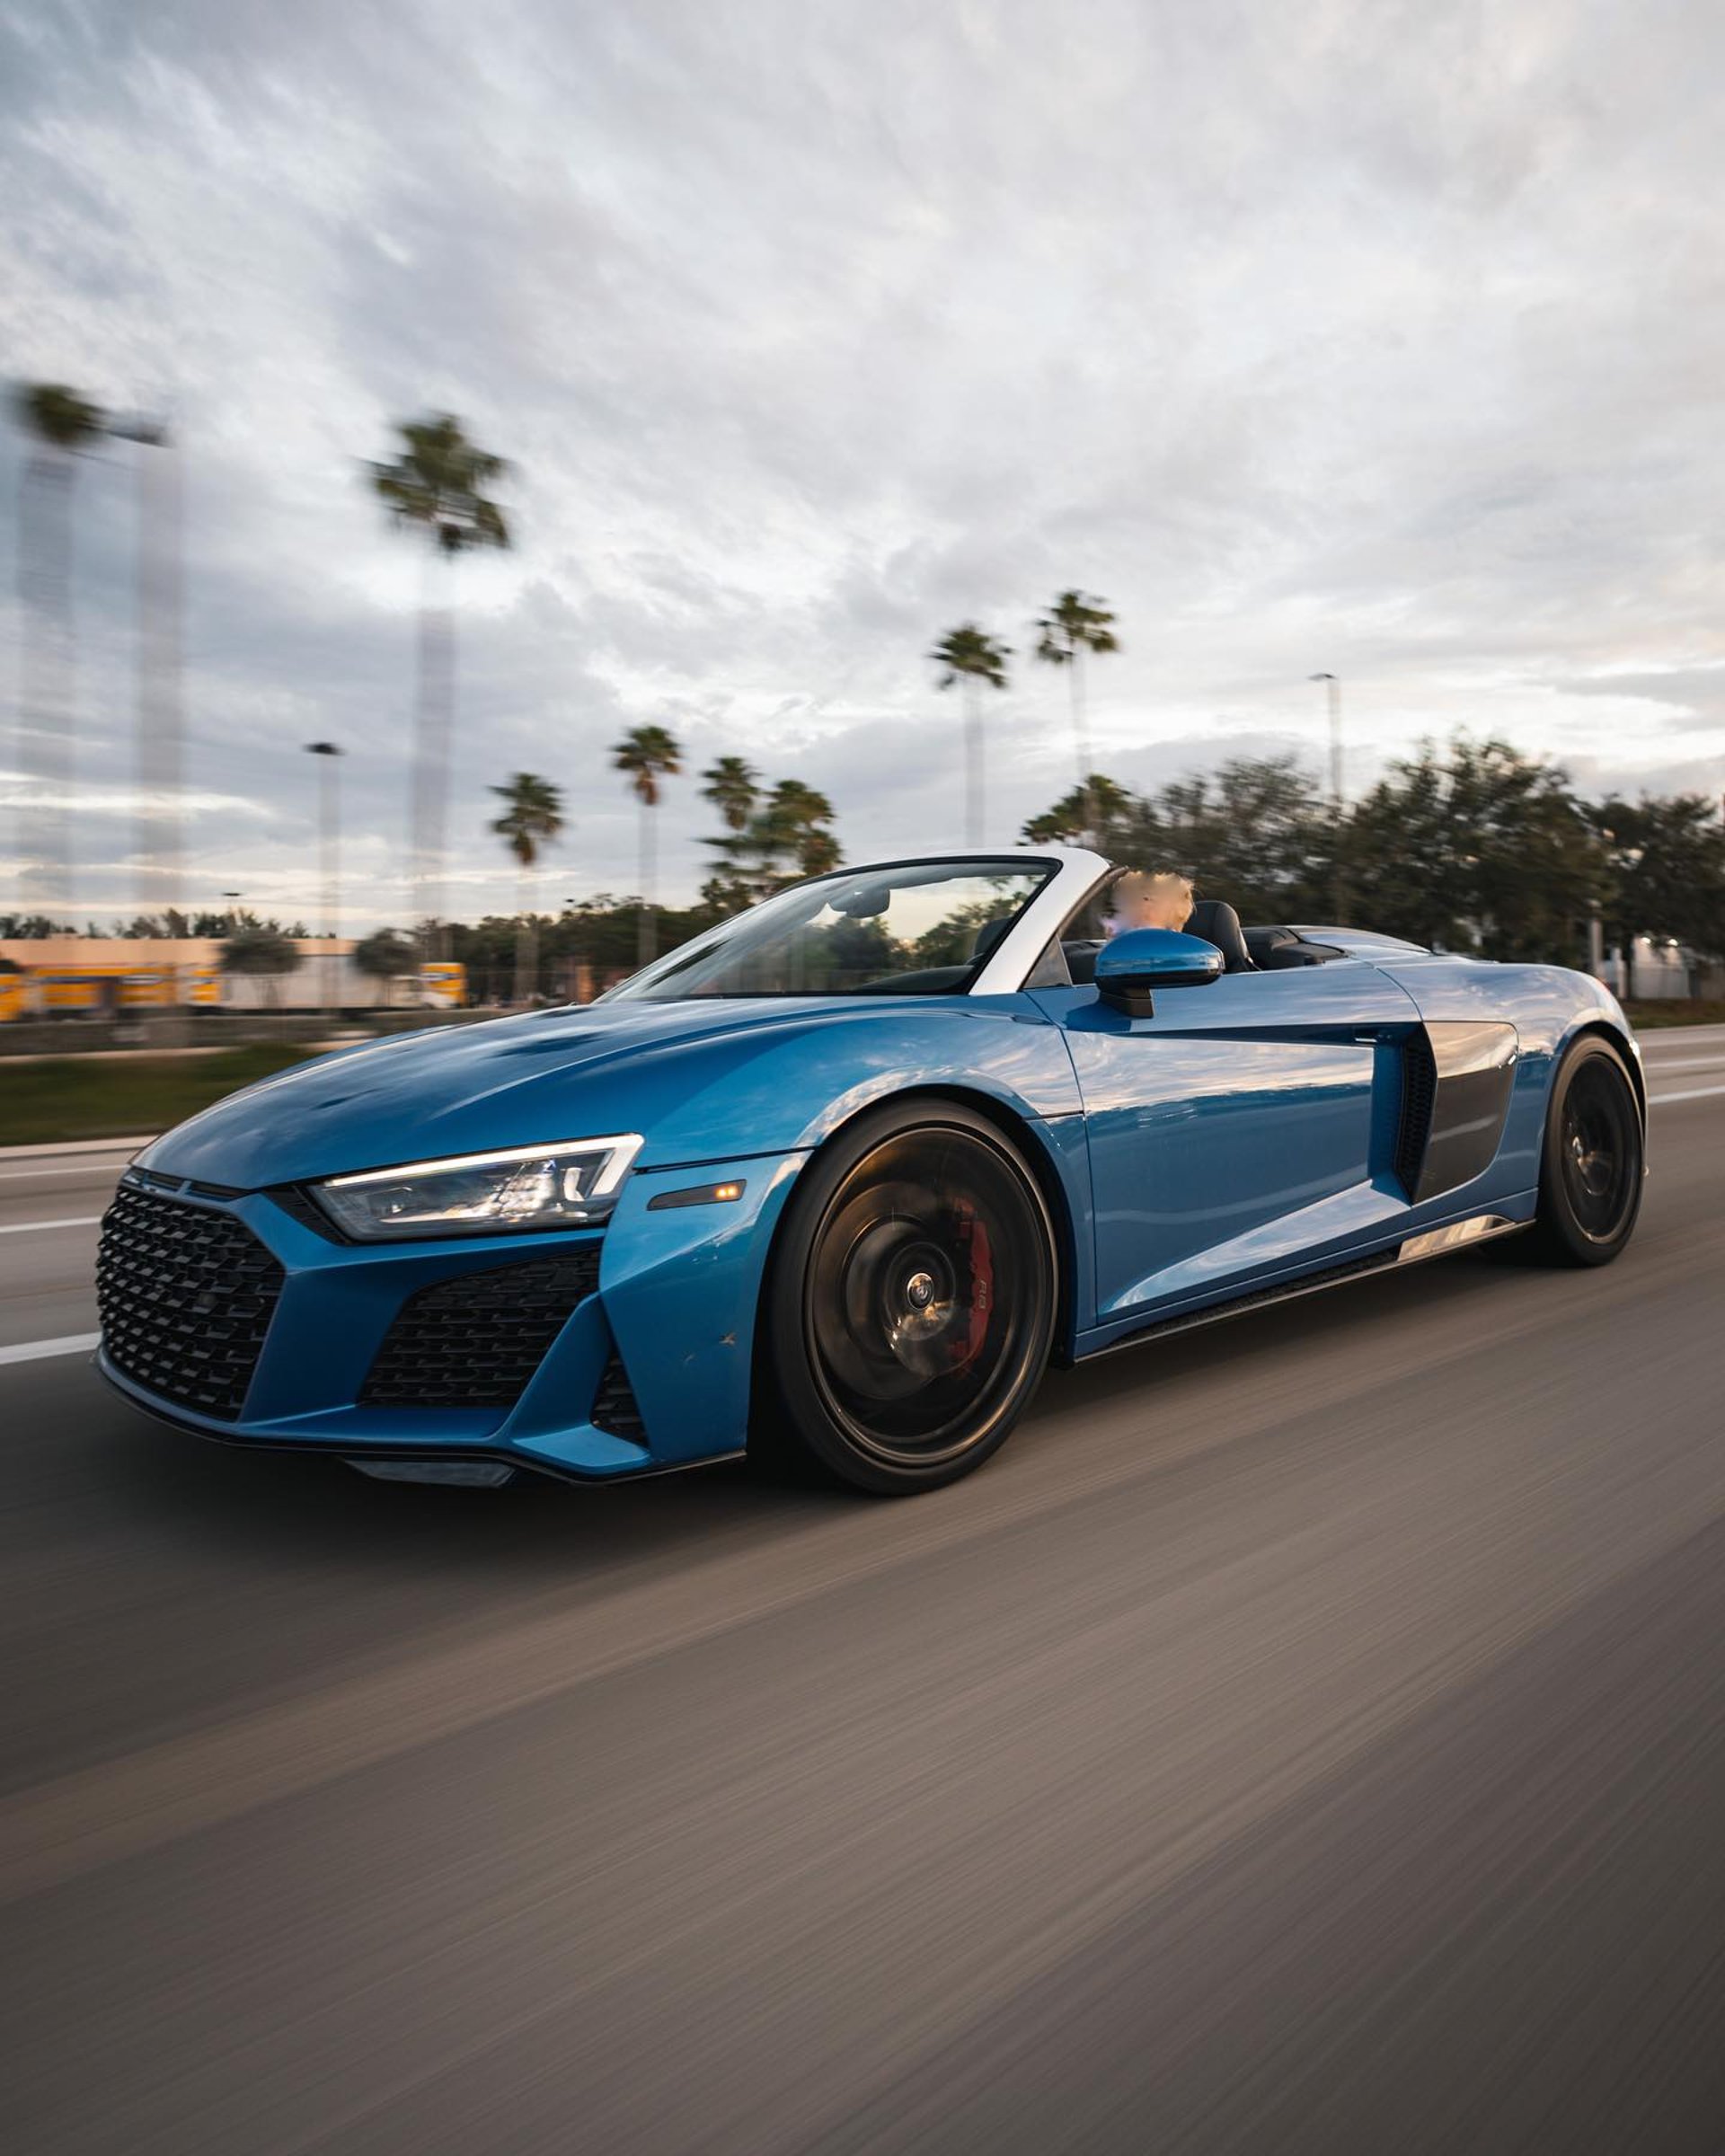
(839,1177)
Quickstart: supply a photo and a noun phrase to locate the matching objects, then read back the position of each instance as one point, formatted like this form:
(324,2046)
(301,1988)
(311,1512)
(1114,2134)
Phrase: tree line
(1471,847)
(771,835)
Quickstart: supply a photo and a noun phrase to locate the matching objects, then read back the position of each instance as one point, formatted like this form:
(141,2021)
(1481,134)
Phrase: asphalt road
(1306,1737)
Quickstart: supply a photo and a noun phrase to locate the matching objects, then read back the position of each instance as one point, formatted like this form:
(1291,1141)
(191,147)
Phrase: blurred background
(486,489)
(526,489)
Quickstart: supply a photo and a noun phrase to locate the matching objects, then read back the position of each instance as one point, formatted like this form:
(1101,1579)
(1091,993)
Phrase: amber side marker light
(698,1194)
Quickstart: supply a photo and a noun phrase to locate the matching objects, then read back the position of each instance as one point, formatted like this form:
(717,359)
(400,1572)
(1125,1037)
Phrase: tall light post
(159,607)
(330,859)
(1338,888)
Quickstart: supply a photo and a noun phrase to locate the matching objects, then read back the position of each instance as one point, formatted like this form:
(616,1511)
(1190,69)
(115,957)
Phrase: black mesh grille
(475,1340)
(1419,1093)
(186,1296)
(615,1405)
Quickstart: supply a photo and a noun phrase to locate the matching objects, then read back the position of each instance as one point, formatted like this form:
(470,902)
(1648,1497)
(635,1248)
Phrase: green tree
(968,655)
(436,485)
(646,755)
(1478,849)
(1073,629)
(1254,832)
(265,953)
(800,818)
(1667,861)
(790,836)
(1111,810)
(387,955)
(733,786)
(60,424)
(532,818)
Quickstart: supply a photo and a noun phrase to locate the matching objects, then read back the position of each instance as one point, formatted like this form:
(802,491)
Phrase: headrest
(1214,921)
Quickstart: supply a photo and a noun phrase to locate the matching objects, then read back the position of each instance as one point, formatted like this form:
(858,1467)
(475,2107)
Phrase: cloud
(1352,337)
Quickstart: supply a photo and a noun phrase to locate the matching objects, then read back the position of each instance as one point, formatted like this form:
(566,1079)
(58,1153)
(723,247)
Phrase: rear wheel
(911,1304)
(1591,1169)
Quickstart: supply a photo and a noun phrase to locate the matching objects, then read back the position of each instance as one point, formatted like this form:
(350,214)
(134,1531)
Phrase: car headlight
(572,1184)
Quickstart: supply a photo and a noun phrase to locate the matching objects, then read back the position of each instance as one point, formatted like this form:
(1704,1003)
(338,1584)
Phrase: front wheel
(1592,1165)
(910,1307)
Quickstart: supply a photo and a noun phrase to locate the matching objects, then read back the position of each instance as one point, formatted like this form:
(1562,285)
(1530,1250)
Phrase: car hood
(581,1072)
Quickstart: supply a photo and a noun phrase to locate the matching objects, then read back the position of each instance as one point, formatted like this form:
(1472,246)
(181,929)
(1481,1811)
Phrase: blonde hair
(1136,892)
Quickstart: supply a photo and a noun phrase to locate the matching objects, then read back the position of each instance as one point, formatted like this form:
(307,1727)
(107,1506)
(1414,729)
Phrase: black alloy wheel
(911,1305)
(1591,1172)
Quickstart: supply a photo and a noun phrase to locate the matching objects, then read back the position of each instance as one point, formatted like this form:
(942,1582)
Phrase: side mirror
(1143,959)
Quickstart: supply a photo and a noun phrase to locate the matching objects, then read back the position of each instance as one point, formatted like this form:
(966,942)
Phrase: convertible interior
(1213,921)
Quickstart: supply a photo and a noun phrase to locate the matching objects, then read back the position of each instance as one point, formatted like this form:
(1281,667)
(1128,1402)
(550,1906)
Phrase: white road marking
(1658,1067)
(34,1351)
(30,1227)
(1697,1092)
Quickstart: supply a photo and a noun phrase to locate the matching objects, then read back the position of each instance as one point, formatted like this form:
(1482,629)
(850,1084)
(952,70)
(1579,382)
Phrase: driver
(1139,900)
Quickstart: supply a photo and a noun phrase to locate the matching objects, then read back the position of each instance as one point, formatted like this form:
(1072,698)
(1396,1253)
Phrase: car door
(1245,1129)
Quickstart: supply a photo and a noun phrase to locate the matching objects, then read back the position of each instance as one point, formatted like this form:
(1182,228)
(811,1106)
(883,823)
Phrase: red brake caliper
(982,1292)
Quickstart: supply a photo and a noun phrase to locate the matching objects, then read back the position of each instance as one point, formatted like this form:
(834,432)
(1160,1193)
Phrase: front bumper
(674,1311)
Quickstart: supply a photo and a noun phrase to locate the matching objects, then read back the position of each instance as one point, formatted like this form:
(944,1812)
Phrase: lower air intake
(615,1405)
(476,1341)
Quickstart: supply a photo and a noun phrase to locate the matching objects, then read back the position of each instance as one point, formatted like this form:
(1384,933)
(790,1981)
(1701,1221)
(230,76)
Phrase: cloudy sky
(1385,339)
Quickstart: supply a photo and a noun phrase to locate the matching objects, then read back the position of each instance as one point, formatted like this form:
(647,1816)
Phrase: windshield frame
(1062,870)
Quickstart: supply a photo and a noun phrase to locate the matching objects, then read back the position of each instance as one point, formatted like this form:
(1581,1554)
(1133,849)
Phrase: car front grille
(185,1296)
(475,1340)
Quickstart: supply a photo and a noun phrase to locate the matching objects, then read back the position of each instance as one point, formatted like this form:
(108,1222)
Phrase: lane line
(1685,1062)
(1697,1092)
(84,1220)
(36,1351)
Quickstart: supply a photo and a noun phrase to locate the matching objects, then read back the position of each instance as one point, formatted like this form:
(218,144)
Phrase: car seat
(1214,921)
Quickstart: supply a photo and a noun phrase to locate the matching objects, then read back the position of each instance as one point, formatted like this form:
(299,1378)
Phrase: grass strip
(1676,1010)
(77,1097)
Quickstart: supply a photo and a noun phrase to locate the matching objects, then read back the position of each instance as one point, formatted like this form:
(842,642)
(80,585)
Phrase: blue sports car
(835,1180)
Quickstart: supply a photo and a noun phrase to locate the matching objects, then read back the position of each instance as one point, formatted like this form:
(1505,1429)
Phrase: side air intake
(1419,1096)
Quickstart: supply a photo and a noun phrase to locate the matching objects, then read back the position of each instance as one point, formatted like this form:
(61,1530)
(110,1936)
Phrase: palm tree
(436,485)
(1108,805)
(647,753)
(1071,627)
(733,786)
(532,818)
(798,821)
(59,423)
(969,655)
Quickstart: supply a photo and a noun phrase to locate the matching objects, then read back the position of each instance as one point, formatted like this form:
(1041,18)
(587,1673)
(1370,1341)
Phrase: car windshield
(919,928)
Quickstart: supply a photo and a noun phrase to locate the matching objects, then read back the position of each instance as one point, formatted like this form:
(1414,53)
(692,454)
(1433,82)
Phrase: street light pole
(1338,889)
(330,859)
(159,607)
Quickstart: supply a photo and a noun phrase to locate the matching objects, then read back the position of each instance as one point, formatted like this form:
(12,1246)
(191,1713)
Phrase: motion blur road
(1306,1737)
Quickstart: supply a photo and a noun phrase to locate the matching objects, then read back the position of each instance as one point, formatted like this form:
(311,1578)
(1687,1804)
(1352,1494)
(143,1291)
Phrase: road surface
(1308,1736)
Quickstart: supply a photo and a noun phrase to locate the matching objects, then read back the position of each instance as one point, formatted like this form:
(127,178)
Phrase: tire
(910,1303)
(1592,1162)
